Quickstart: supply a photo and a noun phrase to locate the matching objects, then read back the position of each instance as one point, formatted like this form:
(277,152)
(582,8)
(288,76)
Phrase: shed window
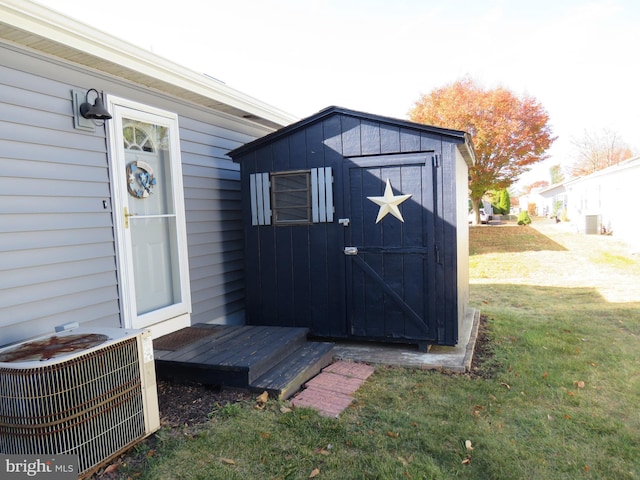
(290,197)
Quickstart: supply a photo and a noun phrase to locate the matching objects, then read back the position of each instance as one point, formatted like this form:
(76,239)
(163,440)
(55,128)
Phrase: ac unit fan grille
(90,405)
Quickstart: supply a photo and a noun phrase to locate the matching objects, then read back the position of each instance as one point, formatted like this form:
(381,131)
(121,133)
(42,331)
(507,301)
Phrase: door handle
(350,250)
(126,217)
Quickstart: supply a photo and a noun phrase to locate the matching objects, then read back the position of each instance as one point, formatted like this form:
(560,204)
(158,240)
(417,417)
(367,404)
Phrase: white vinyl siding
(56,235)
(57,250)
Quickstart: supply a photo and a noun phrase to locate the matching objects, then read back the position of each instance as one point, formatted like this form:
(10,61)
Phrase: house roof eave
(36,27)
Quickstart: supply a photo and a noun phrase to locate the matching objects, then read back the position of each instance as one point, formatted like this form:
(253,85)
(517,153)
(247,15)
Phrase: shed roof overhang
(462,138)
(30,25)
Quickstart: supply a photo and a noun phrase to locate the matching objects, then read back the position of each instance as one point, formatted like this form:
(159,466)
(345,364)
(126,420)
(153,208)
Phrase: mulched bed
(482,364)
(184,408)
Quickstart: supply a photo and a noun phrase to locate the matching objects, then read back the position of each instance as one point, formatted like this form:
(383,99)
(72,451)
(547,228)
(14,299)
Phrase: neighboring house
(356,227)
(533,198)
(553,200)
(607,201)
(130,222)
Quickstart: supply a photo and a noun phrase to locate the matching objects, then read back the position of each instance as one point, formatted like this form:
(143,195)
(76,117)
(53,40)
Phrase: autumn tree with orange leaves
(509,133)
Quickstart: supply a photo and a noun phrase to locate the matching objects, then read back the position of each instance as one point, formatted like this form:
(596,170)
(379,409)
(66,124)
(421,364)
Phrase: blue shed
(356,228)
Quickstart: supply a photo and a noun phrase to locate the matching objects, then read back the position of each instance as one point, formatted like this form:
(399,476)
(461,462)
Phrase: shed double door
(391,259)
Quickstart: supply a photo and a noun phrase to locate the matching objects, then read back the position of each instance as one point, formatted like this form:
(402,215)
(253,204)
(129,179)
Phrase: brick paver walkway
(332,390)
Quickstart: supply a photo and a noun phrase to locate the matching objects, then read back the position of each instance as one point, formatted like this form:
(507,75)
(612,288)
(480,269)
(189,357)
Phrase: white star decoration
(389,203)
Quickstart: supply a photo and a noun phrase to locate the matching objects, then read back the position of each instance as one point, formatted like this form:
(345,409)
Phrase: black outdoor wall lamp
(97,111)
(88,115)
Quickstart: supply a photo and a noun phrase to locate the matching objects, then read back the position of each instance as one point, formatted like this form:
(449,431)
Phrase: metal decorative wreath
(140,179)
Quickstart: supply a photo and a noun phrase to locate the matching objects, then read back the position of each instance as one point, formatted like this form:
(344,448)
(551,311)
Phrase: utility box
(356,227)
(592,224)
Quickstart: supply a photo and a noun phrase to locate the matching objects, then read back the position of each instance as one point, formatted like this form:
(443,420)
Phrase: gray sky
(579,59)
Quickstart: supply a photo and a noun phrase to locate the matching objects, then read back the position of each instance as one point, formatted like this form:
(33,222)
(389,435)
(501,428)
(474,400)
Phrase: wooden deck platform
(276,359)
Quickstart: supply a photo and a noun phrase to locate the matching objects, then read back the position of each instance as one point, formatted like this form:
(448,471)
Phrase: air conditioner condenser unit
(90,393)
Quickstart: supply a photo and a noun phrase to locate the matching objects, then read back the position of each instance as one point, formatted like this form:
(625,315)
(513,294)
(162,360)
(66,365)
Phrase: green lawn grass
(555,397)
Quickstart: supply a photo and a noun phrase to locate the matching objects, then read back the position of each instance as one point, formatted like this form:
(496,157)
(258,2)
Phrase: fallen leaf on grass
(111,468)
(467,444)
(579,384)
(545,375)
(393,434)
(284,409)
(322,451)
(263,397)
(228,461)
(265,434)
(466,461)
(508,387)
(314,473)
(570,393)
(151,453)
(261,400)
(549,417)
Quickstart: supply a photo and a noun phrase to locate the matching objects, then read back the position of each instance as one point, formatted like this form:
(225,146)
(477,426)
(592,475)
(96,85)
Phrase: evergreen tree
(501,202)
(505,202)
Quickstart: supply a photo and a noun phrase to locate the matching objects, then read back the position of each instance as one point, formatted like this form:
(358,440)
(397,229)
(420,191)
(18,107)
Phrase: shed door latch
(344,222)
(351,250)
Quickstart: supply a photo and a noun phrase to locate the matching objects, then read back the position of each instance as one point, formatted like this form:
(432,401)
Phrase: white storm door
(148,208)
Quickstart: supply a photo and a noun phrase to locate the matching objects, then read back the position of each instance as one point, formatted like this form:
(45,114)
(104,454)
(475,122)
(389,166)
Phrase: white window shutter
(321,195)
(328,186)
(260,199)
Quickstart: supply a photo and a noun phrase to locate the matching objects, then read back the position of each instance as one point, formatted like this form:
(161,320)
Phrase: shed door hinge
(436,161)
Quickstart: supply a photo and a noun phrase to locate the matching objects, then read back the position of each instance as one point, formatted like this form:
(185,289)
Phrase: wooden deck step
(286,378)
(233,356)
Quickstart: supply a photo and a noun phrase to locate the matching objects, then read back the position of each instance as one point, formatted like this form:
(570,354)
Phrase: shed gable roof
(456,136)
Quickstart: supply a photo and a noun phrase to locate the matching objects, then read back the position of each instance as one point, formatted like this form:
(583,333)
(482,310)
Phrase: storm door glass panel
(291,198)
(152,215)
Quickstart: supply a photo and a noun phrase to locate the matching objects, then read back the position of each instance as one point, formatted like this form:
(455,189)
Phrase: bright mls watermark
(49,467)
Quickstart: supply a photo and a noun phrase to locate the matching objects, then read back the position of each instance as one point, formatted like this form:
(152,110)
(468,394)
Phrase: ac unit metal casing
(92,393)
